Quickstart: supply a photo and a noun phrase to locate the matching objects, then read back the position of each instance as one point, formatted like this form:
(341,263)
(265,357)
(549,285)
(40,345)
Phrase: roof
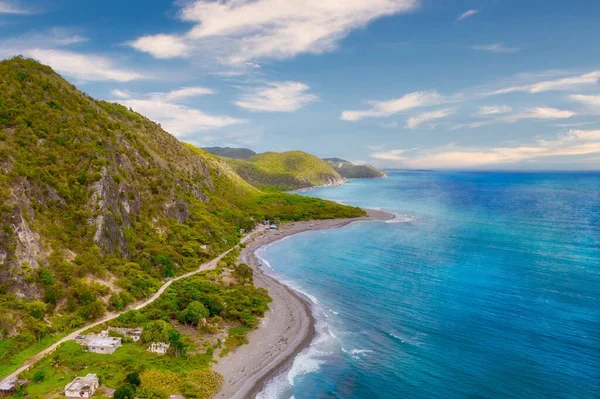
(98,340)
(125,331)
(7,385)
(11,384)
(81,383)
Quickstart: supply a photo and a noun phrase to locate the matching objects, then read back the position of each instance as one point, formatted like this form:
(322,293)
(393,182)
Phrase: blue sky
(491,84)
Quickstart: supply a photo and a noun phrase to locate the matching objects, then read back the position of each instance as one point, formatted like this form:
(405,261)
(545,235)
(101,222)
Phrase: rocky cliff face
(80,173)
(98,205)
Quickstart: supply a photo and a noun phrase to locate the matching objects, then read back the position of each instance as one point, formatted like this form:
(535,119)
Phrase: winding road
(113,315)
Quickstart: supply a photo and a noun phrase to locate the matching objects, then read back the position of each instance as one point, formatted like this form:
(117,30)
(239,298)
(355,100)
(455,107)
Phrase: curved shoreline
(288,326)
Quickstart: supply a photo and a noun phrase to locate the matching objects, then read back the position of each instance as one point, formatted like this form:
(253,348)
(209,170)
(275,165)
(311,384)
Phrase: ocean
(486,285)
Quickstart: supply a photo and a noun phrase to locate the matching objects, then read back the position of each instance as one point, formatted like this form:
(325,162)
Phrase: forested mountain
(99,204)
(286,170)
(290,170)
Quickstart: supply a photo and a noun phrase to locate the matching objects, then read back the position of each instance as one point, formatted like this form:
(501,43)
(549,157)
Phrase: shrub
(126,391)
(193,313)
(134,378)
(38,376)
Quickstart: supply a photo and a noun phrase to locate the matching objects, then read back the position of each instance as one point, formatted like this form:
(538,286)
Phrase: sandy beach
(287,327)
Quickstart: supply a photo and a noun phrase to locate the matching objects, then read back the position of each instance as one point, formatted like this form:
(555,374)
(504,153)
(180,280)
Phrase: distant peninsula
(292,169)
(349,170)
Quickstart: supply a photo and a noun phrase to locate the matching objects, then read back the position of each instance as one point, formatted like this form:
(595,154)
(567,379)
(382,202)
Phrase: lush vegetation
(229,152)
(349,170)
(99,205)
(285,171)
(205,314)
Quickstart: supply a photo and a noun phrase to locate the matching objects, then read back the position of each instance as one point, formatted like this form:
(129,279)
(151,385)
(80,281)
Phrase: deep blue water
(486,286)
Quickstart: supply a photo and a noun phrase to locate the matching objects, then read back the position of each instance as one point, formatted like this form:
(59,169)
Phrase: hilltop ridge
(292,169)
(229,152)
(286,171)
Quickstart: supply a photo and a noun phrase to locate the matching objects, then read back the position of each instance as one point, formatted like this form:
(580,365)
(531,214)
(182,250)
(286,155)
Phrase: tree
(126,391)
(157,331)
(166,263)
(37,309)
(193,313)
(134,379)
(38,376)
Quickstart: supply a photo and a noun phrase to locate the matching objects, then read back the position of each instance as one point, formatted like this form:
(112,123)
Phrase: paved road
(112,315)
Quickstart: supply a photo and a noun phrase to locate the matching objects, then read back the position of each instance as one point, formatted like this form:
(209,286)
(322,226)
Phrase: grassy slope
(237,153)
(112,203)
(351,171)
(285,171)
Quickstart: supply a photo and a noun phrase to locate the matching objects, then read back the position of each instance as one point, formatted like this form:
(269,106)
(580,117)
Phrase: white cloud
(495,48)
(169,96)
(566,83)
(466,14)
(493,110)
(276,97)
(48,47)
(251,64)
(417,120)
(84,67)
(504,114)
(577,124)
(574,143)
(11,7)
(177,119)
(387,108)
(120,93)
(184,92)
(540,113)
(162,46)
(592,101)
(48,39)
(236,31)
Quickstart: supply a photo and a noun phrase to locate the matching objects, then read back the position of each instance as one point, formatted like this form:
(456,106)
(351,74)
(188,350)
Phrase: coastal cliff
(350,170)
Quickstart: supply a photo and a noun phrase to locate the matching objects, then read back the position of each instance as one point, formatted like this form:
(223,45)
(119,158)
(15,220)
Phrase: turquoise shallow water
(487,285)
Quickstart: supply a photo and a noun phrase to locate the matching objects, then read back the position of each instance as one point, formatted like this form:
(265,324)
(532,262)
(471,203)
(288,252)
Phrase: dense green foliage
(349,170)
(229,152)
(230,310)
(107,205)
(283,171)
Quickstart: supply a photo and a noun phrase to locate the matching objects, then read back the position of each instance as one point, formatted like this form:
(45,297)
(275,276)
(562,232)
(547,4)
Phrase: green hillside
(286,170)
(229,152)
(349,170)
(98,205)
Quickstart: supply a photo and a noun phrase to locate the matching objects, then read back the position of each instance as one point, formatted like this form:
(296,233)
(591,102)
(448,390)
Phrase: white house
(99,343)
(159,347)
(82,387)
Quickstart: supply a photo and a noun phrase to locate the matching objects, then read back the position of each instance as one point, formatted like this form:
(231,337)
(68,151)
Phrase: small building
(159,347)
(99,343)
(82,387)
(10,387)
(133,333)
